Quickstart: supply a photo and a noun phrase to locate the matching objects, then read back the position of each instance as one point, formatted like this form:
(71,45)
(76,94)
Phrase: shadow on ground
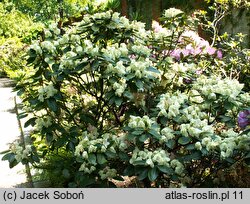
(5,82)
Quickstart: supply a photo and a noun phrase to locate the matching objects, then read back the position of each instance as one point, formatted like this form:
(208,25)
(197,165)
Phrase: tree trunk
(124,8)
(157,9)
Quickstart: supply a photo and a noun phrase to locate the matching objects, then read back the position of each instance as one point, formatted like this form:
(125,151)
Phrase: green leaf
(143,174)
(230,160)
(49,138)
(95,28)
(74,130)
(79,159)
(60,77)
(195,155)
(129,171)
(86,180)
(153,174)
(190,147)
(130,137)
(38,73)
(92,159)
(67,49)
(47,75)
(87,118)
(32,53)
(154,134)
(95,65)
(112,100)
(55,68)
(139,163)
(10,157)
(152,69)
(225,118)
(20,91)
(137,132)
(5,151)
(128,94)
(66,173)
(139,84)
(170,144)
(31,60)
(13,164)
(22,115)
(31,121)
(128,33)
(70,146)
(166,170)
(184,140)
(247,156)
(81,66)
(126,128)
(110,154)
(61,141)
(101,159)
(34,102)
(163,120)
(125,59)
(143,138)
(204,151)
(25,161)
(175,177)
(35,158)
(228,105)
(51,102)
(129,76)
(123,156)
(177,119)
(118,101)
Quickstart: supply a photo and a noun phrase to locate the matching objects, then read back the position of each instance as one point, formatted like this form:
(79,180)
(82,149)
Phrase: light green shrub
(108,102)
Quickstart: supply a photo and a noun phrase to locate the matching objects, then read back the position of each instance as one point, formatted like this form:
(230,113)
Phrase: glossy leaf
(31,121)
(143,174)
(101,159)
(153,174)
(170,144)
(143,138)
(184,140)
(154,134)
(92,158)
(52,104)
(166,170)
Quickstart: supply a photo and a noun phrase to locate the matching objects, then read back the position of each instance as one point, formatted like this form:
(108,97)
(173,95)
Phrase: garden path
(9,131)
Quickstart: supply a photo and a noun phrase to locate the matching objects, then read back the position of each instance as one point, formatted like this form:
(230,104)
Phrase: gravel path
(9,131)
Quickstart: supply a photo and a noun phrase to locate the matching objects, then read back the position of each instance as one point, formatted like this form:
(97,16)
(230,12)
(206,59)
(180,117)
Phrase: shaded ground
(9,131)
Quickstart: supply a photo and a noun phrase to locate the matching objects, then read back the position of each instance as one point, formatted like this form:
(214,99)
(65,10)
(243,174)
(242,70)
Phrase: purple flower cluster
(197,47)
(244,119)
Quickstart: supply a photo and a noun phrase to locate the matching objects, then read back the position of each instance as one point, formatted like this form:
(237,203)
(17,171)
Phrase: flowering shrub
(192,44)
(108,102)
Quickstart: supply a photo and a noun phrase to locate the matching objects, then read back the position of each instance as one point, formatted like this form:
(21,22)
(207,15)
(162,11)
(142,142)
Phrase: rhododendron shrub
(108,102)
